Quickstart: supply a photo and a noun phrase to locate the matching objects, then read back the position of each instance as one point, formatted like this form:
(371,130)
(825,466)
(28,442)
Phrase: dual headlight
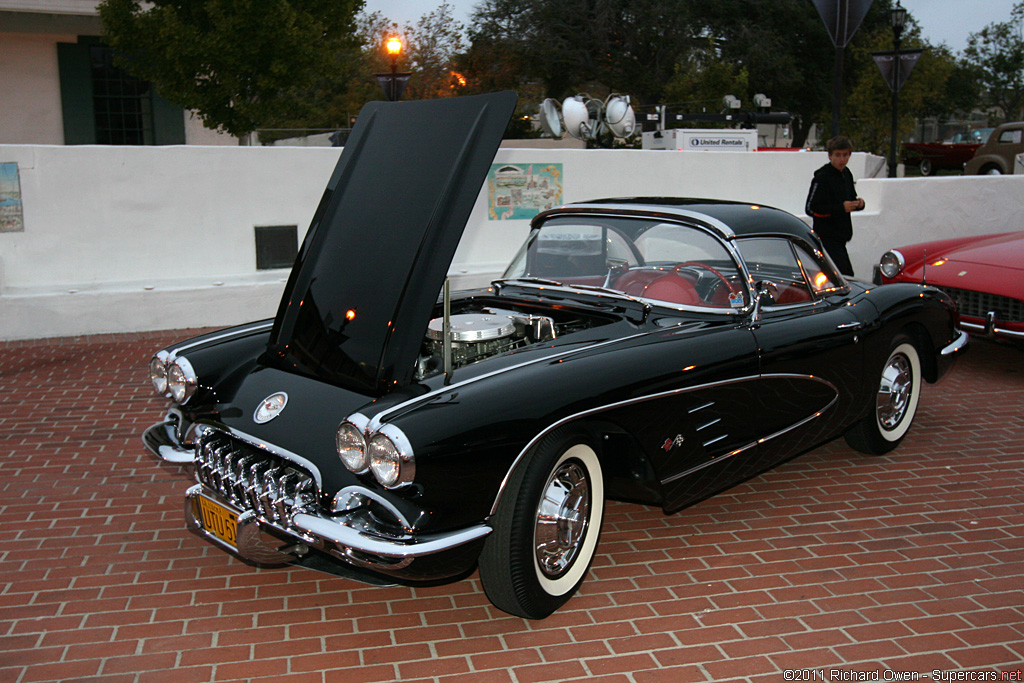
(892,263)
(386,453)
(173,378)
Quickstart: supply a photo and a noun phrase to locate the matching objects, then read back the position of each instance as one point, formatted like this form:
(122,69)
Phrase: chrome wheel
(895,391)
(562,518)
(899,390)
(546,526)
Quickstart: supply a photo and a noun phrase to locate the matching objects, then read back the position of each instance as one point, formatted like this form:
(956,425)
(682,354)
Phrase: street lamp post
(394,46)
(898,19)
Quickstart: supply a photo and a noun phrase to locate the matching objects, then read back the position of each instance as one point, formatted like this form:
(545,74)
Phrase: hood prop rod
(446,330)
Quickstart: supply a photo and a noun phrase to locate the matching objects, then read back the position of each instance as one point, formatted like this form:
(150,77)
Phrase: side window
(618,248)
(1010,137)
(773,258)
(817,275)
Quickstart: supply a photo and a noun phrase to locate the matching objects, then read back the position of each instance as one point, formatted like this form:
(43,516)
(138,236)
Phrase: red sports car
(984,274)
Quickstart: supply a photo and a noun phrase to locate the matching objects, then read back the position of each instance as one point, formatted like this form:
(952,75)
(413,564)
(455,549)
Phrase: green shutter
(76,93)
(168,122)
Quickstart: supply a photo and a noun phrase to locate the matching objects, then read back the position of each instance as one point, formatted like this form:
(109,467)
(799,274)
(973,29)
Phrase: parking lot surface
(833,566)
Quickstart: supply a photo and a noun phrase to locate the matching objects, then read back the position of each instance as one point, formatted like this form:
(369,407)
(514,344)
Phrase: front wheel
(926,167)
(899,389)
(546,527)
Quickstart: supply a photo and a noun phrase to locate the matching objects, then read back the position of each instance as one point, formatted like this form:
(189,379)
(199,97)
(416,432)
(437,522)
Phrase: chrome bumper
(162,441)
(957,345)
(989,329)
(346,536)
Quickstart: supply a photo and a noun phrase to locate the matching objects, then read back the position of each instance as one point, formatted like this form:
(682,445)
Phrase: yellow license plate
(218,520)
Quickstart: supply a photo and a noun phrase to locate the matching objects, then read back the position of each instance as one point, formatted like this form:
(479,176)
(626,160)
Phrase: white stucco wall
(30,89)
(140,238)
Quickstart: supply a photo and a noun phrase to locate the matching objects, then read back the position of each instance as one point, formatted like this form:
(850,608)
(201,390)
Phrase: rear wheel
(546,527)
(926,167)
(899,390)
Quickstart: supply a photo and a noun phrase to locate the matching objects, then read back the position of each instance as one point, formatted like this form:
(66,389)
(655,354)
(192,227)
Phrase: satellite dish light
(762,100)
(576,117)
(550,119)
(619,116)
(731,102)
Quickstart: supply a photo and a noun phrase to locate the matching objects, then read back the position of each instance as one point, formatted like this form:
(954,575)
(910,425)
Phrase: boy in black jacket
(831,200)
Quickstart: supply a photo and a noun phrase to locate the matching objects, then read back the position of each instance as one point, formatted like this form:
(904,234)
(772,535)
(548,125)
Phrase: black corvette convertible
(652,350)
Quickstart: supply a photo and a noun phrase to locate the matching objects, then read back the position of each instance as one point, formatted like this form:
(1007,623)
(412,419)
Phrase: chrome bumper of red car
(990,328)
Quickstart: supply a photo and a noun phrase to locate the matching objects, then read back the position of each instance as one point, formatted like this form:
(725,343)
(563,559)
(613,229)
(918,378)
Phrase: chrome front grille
(978,305)
(253,479)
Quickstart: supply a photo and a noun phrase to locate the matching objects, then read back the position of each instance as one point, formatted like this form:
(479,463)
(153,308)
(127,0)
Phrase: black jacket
(829,189)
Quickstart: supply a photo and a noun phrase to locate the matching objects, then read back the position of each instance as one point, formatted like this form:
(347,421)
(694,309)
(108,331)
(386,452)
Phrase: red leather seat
(658,284)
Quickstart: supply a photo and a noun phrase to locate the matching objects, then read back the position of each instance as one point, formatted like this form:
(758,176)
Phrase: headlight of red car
(892,263)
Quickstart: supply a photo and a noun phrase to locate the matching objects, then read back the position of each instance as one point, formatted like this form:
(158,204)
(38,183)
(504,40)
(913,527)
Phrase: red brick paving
(833,562)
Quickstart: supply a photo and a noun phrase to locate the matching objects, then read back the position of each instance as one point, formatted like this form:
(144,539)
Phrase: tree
(997,54)
(434,45)
(787,53)
(238,63)
(627,46)
(867,117)
(703,79)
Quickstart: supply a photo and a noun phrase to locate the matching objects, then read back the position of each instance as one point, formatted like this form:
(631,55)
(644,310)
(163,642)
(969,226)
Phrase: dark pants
(837,252)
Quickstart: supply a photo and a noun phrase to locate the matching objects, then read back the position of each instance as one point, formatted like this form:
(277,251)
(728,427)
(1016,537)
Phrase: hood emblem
(270,407)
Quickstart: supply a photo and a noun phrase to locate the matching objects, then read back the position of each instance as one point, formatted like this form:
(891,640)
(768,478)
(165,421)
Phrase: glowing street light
(394,47)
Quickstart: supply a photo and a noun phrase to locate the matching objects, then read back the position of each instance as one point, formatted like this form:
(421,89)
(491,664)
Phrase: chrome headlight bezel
(892,263)
(158,373)
(391,458)
(182,381)
(351,445)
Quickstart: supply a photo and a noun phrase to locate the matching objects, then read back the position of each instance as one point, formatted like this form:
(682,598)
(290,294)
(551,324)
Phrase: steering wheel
(709,290)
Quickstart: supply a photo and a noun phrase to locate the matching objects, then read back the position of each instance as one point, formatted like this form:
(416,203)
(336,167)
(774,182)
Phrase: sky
(942,21)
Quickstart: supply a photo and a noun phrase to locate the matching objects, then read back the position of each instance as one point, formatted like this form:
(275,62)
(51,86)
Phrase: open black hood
(370,269)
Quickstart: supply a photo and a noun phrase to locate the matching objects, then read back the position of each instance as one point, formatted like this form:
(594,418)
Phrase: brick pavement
(909,563)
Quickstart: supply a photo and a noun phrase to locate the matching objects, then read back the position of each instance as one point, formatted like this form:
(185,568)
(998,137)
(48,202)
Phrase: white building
(59,86)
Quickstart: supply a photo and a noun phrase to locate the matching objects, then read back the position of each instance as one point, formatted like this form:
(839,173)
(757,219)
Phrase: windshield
(649,259)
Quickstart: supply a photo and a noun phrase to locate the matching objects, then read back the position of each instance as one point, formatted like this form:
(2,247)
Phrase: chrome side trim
(741,449)
(254,327)
(996,331)
(381,418)
(651,397)
(958,344)
(160,440)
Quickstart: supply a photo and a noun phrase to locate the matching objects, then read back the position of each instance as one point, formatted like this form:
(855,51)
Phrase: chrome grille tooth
(284,501)
(252,478)
(303,493)
(270,494)
(240,469)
